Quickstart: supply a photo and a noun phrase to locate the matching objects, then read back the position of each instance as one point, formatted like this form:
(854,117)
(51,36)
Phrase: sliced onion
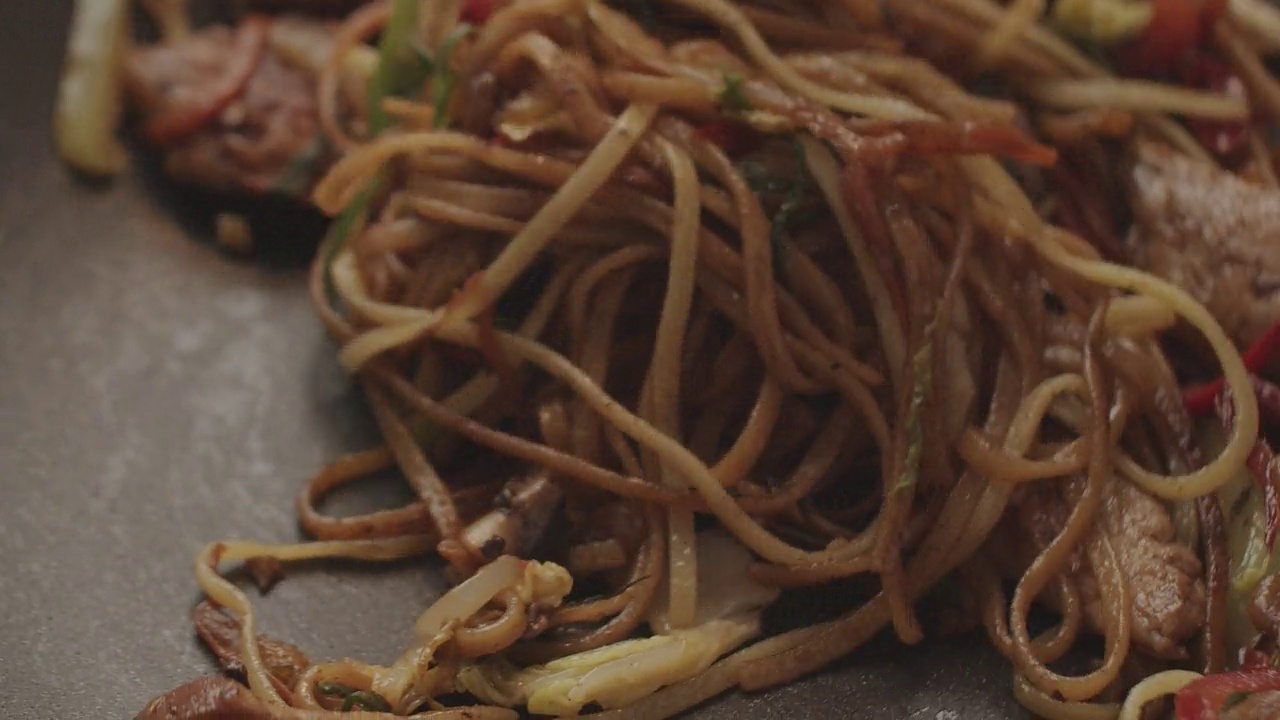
(471,595)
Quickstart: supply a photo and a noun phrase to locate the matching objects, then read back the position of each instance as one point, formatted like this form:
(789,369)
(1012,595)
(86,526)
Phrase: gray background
(156,395)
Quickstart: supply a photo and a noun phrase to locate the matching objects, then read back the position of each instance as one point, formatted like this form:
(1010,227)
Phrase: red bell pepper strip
(891,138)
(1206,698)
(1268,395)
(1175,31)
(1261,464)
(1227,139)
(1199,399)
(734,138)
(186,118)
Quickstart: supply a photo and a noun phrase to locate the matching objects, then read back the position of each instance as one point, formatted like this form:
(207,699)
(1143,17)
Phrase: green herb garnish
(797,198)
(400,68)
(400,65)
(443,78)
(733,96)
(354,699)
(334,689)
(340,229)
(1235,699)
(366,700)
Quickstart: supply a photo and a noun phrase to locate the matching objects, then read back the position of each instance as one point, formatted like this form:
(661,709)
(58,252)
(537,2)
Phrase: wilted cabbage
(728,615)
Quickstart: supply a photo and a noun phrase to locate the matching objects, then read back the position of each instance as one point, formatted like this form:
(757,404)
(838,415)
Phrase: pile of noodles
(851,370)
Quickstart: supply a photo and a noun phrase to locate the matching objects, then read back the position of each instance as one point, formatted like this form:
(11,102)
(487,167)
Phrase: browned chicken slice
(235,109)
(1165,578)
(1211,233)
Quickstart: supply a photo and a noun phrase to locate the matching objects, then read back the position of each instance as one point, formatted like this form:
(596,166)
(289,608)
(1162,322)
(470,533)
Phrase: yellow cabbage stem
(1106,22)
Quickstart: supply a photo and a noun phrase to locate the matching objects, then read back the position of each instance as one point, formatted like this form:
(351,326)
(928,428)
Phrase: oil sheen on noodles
(664,307)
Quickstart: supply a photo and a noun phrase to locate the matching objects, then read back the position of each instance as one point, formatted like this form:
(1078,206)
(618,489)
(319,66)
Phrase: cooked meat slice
(207,698)
(261,138)
(1211,233)
(1165,579)
(221,633)
(157,76)
(267,141)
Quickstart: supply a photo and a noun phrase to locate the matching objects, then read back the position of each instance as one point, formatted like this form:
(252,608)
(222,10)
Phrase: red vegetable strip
(931,137)
(477,12)
(1203,699)
(733,138)
(1226,139)
(1262,349)
(1199,399)
(185,119)
(1268,395)
(1175,31)
(1261,464)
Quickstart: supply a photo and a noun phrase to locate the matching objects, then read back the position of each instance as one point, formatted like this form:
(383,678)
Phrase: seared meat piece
(209,698)
(161,75)
(221,633)
(1212,234)
(236,110)
(1165,578)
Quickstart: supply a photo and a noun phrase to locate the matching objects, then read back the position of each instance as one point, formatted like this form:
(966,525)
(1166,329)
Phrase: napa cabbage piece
(728,615)
(89,94)
(545,583)
(405,684)
(1249,559)
(1105,22)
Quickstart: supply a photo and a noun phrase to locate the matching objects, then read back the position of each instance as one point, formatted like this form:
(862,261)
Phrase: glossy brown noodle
(590,277)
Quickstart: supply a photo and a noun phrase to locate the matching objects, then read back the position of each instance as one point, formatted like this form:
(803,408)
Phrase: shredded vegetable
(399,68)
(443,76)
(89,103)
(1200,399)
(1102,21)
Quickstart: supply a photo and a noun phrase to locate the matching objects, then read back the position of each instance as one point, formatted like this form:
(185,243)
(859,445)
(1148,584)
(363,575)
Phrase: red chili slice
(1175,31)
(184,119)
(1199,399)
(1261,464)
(1205,698)
(733,138)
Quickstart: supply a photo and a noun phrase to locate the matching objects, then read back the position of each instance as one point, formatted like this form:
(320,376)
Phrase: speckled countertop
(155,395)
